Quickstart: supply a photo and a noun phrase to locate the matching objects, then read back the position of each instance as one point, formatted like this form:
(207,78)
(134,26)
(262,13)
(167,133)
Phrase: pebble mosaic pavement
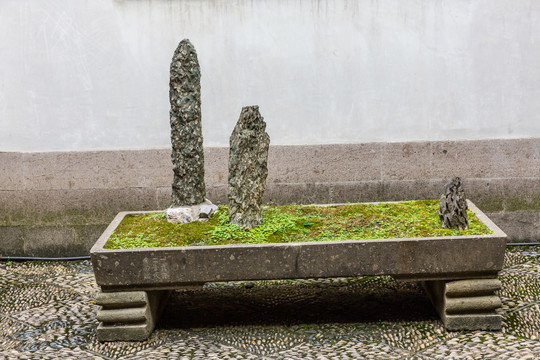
(47,312)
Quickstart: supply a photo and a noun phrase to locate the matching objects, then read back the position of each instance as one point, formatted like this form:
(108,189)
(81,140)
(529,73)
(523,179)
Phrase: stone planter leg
(466,304)
(128,315)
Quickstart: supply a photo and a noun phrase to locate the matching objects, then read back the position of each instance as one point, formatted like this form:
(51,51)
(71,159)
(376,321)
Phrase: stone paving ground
(47,312)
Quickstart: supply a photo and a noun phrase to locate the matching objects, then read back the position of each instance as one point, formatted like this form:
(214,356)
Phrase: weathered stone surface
(179,215)
(453,206)
(469,304)
(206,211)
(248,157)
(186,131)
(129,316)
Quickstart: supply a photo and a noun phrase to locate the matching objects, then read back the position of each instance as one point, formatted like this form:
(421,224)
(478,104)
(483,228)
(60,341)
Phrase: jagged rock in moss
(248,169)
(453,206)
(186,131)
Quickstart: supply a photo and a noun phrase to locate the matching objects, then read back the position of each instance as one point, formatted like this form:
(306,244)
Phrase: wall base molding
(57,203)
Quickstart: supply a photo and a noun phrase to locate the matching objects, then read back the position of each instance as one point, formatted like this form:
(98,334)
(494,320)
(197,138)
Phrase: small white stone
(186,214)
(179,215)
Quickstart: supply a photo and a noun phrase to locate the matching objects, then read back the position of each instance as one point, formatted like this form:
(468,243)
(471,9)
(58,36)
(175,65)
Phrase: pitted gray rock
(188,186)
(453,206)
(248,168)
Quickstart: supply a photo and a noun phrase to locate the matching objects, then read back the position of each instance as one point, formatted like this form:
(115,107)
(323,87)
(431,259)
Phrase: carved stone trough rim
(100,243)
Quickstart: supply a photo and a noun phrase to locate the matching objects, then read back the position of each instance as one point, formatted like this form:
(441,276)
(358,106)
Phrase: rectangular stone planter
(459,273)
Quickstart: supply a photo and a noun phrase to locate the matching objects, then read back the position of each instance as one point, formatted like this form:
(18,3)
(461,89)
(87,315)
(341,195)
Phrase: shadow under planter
(459,273)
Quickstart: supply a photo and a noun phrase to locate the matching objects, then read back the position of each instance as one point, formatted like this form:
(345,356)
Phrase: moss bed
(293,223)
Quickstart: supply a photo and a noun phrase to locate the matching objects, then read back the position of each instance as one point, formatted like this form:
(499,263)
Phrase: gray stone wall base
(128,316)
(58,203)
(466,304)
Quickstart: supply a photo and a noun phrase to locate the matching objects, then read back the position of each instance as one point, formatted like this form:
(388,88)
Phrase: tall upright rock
(186,131)
(248,168)
(453,206)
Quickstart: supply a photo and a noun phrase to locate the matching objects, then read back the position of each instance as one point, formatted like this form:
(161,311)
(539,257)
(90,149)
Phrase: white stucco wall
(93,74)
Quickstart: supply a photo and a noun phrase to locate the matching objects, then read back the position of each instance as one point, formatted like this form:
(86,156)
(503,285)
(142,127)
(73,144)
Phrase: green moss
(15,218)
(71,216)
(517,204)
(491,203)
(293,223)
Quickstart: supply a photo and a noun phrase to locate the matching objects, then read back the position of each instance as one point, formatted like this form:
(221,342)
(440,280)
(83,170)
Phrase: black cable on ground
(523,244)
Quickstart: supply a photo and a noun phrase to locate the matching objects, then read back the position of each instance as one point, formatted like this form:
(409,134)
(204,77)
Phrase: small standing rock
(453,206)
(248,169)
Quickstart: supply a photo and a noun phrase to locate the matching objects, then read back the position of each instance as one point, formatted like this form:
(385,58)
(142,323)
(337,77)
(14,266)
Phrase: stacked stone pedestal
(129,315)
(466,304)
